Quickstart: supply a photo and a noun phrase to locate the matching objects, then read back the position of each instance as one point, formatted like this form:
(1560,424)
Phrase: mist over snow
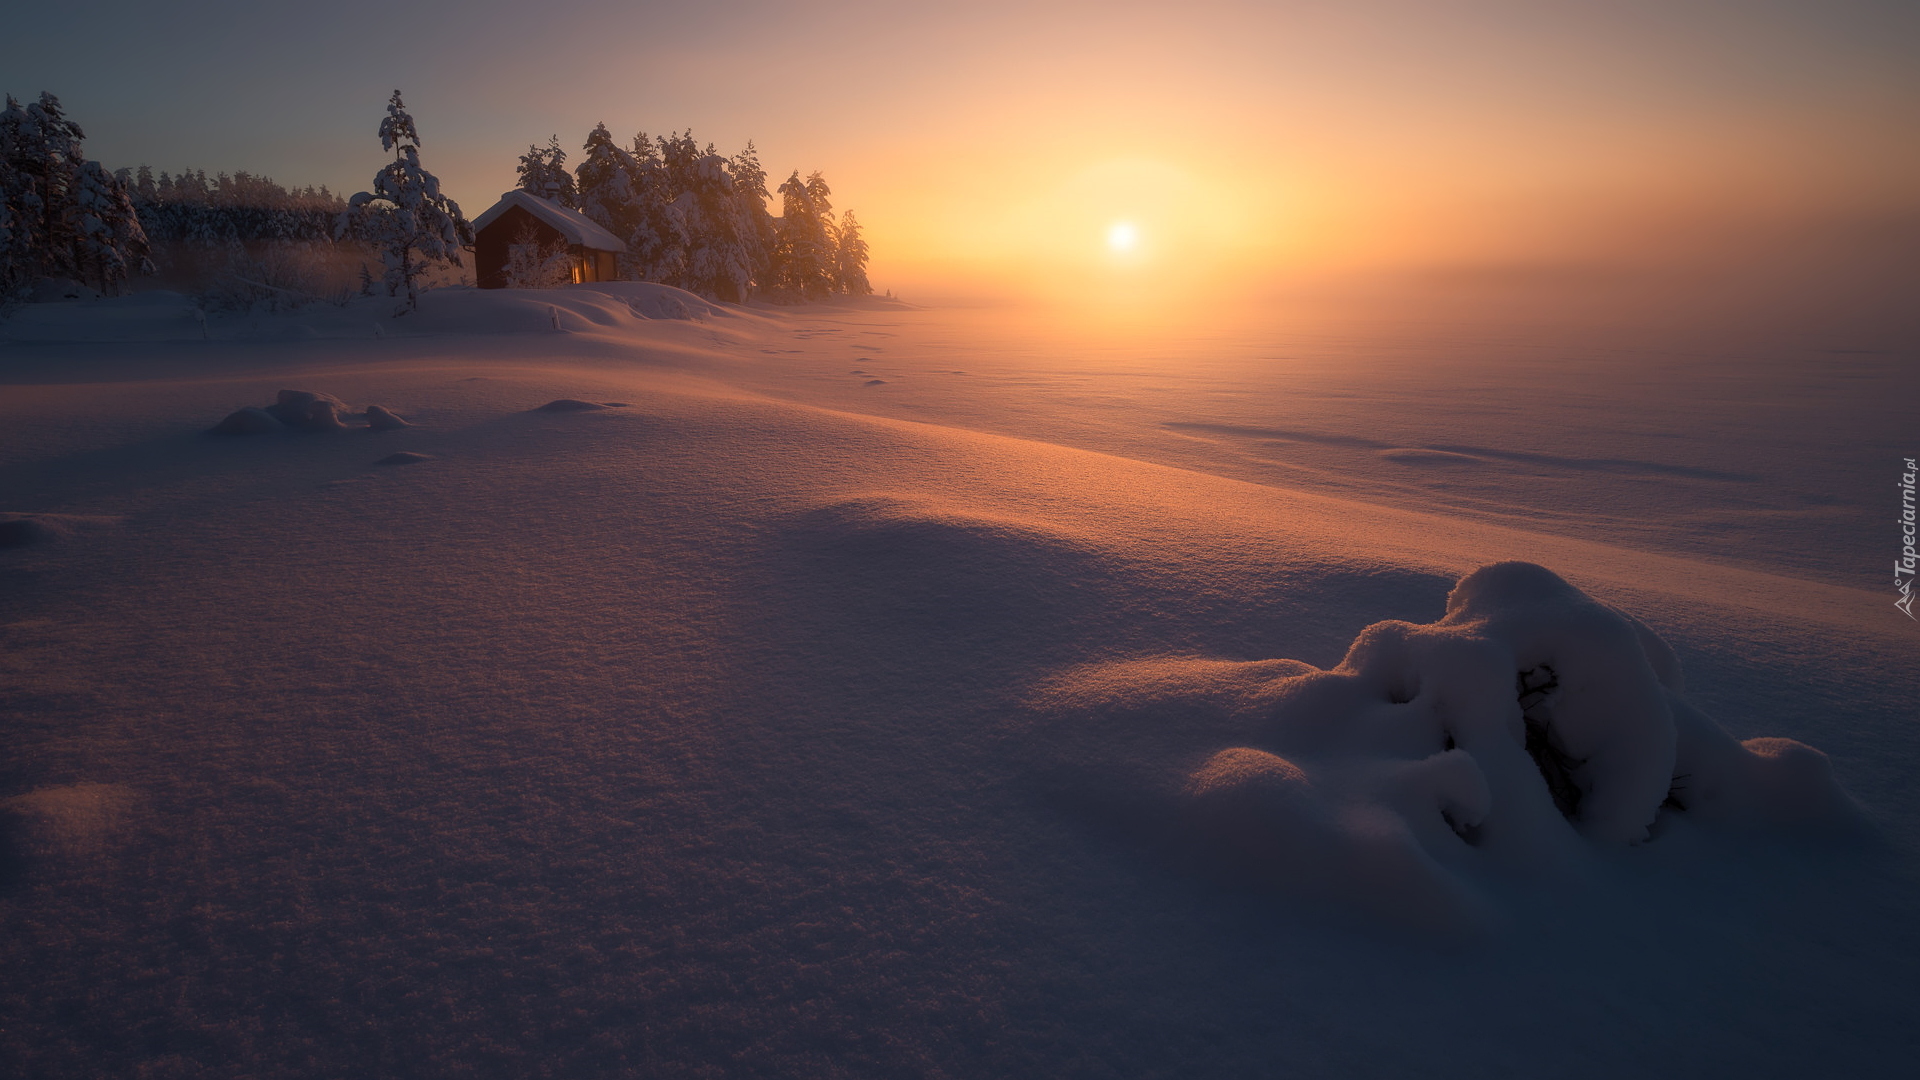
(606,681)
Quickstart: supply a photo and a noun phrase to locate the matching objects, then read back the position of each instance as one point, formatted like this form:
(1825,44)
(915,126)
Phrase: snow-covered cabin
(521,216)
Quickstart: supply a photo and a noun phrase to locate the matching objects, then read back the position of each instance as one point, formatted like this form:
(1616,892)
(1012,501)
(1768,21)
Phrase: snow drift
(1527,730)
(304,410)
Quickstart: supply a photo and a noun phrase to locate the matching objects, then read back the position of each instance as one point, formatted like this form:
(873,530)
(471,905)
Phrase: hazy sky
(1275,140)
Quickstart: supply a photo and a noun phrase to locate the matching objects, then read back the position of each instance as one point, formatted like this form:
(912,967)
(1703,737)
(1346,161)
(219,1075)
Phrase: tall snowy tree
(42,150)
(109,242)
(804,255)
(543,172)
(608,188)
(850,259)
(405,215)
(657,249)
(750,196)
(716,262)
(64,216)
(12,257)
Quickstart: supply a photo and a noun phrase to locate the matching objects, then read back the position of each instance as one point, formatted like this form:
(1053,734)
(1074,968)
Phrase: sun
(1122,237)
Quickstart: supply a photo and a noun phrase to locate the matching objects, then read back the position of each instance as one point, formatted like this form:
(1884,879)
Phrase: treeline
(690,218)
(224,210)
(699,221)
(61,215)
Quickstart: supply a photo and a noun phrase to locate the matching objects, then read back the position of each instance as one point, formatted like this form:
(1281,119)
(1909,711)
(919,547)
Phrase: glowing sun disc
(1122,236)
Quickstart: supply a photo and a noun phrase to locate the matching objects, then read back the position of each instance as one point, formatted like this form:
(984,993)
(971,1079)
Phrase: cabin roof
(577,227)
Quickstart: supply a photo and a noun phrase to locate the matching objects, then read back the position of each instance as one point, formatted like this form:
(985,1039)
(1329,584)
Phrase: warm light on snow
(1122,237)
(608,661)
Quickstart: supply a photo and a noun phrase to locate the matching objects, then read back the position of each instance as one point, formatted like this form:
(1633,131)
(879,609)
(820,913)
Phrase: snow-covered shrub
(535,265)
(282,277)
(1523,734)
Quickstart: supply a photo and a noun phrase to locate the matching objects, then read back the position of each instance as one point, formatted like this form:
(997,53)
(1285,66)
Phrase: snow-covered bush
(534,265)
(282,276)
(1522,736)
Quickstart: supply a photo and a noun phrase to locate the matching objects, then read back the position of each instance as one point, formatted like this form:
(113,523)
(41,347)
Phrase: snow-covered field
(865,690)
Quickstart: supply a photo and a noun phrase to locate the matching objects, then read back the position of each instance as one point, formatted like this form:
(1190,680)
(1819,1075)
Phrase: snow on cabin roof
(577,227)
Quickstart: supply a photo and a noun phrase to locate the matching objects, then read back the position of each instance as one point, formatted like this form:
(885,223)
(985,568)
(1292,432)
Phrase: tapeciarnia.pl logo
(1903,566)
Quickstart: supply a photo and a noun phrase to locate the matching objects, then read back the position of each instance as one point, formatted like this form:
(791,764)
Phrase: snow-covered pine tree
(543,172)
(804,254)
(14,250)
(716,263)
(608,191)
(679,155)
(750,196)
(850,259)
(11,257)
(42,150)
(65,216)
(405,215)
(657,249)
(109,242)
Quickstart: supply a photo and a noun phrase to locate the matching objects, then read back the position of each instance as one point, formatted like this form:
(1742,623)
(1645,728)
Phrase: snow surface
(871,691)
(577,227)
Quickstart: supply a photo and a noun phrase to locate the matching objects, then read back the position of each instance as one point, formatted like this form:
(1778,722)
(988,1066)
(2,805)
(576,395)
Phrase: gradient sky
(992,145)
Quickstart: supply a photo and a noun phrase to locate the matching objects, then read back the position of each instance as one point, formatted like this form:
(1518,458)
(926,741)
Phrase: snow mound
(906,540)
(1526,732)
(24,530)
(599,306)
(567,404)
(304,410)
(252,420)
(308,411)
(404,457)
(380,418)
(76,820)
(942,578)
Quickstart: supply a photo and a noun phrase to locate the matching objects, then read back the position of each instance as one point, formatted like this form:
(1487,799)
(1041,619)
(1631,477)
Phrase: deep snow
(864,690)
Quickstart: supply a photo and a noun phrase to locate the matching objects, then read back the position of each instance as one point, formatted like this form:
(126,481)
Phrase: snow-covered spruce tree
(543,172)
(42,151)
(750,196)
(717,263)
(657,248)
(14,252)
(405,215)
(804,255)
(109,242)
(609,192)
(12,258)
(65,216)
(850,259)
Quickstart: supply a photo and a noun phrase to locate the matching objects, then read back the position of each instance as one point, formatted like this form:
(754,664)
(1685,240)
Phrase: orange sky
(1299,149)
